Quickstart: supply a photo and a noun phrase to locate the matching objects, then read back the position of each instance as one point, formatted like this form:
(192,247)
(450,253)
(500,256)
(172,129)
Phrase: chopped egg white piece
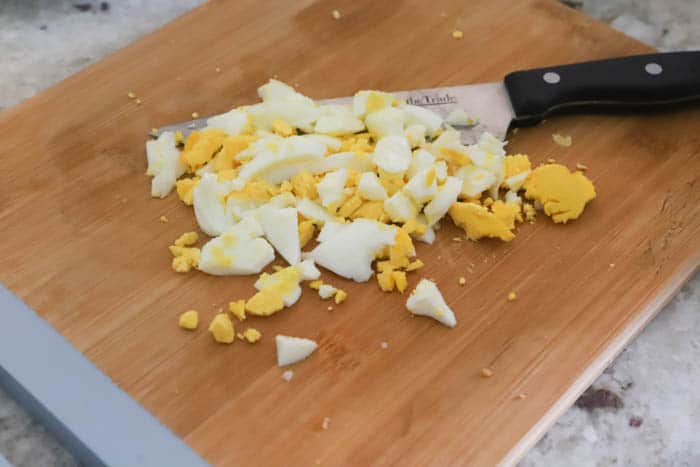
(423,116)
(283,200)
(441,203)
(284,282)
(415,134)
(370,188)
(163,164)
(313,211)
(343,160)
(337,120)
(331,142)
(365,102)
(475,180)
(441,171)
(281,229)
(363,237)
(400,208)
(516,181)
(421,160)
(513,197)
(208,199)
(426,300)
(422,187)
(331,189)
(326,291)
(293,349)
(459,117)
(275,90)
(309,271)
(288,375)
(238,251)
(385,122)
(393,154)
(232,122)
(427,237)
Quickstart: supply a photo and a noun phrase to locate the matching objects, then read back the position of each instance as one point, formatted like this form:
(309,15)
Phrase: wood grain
(83,246)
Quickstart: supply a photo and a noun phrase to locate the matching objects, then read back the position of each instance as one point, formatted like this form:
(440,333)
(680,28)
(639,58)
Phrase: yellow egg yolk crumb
(349,206)
(316,284)
(252,335)
(401,250)
(340,296)
(221,327)
(563,194)
(516,164)
(270,299)
(163,219)
(414,265)
(237,309)
(530,213)
(391,182)
(462,280)
(457,34)
(282,128)
(371,210)
(179,139)
(478,222)
(399,280)
(306,232)
(189,320)
(386,281)
(200,147)
(184,189)
(184,258)
(304,185)
(512,296)
(507,213)
(187,239)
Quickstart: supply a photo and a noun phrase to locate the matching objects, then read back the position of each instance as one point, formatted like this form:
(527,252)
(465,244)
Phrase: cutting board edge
(602,361)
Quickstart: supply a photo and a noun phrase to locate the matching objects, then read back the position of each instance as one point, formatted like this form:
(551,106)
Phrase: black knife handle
(639,81)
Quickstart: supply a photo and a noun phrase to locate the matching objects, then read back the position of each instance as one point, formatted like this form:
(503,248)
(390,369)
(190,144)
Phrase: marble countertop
(643,410)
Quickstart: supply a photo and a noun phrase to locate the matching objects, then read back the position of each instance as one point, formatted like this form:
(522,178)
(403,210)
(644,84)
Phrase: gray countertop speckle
(655,378)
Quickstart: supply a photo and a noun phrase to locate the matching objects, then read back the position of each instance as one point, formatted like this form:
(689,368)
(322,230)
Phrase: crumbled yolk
(231,147)
(335,14)
(270,299)
(316,284)
(516,164)
(163,219)
(221,327)
(286,187)
(282,128)
(462,280)
(184,189)
(488,201)
(386,281)
(306,232)
(131,95)
(353,178)
(512,296)
(414,265)
(383,266)
(399,280)
(258,191)
(391,182)
(457,34)
(429,177)
(252,335)
(360,143)
(350,206)
(563,194)
(562,140)
(237,309)
(187,239)
(478,222)
(200,147)
(304,185)
(189,320)
(454,156)
(530,213)
(340,296)
(507,213)
(264,303)
(371,210)
(414,226)
(184,258)
(401,250)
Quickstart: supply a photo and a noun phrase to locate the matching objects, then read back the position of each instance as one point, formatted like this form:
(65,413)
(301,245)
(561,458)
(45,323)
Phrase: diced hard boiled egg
(475,180)
(415,134)
(349,252)
(422,187)
(516,181)
(313,211)
(420,160)
(385,122)
(459,117)
(441,203)
(208,199)
(284,283)
(293,349)
(237,251)
(326,291)
(163,164)
(332,143)
(393,154)
(370,188)
(337,120)
(422,116)
(513,197)
(331,189)
(281,229)
(365,102)
(477,221)
(400,207)
(233,122)
(275,91)
(309,271)
(426,237)
(426,300)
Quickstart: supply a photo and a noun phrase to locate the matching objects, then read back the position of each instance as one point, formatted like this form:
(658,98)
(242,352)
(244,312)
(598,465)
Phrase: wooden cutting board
(83,246)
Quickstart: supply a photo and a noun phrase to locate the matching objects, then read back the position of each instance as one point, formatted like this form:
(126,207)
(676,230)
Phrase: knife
(638,82)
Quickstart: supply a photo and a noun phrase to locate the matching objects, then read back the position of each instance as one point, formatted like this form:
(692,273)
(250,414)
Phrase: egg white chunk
(385,122)
(359,101)
(370,188)
(232,122)
(400,208)
(326,291)
(393,154)
(475,180)
(209,205)
(513,197)
(331,189)
(293,349)
(349,252)
(426,300)
(281,280)
(309,271)
(446,196)
(312,211)
(418,189)
(275,90)
(415,134)
(163,163)
(238,251)
(337,120)
(281,229)
(421,159)
(421,116)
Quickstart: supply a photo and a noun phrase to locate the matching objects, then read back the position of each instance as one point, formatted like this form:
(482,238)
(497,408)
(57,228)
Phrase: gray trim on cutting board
(92,417)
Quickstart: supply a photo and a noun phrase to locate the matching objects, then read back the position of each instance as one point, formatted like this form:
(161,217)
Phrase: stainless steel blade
(488,104)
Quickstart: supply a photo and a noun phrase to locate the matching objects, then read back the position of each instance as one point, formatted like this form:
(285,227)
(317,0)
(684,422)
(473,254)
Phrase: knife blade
(638,82)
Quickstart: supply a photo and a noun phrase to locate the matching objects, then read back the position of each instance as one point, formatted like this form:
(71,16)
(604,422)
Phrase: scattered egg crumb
(384,345)
(521,396)
(580,166)
(462,280)
(287,375)
(551,160)
(139,101)
(340,296)
(486,372)
(252,335)
(195,115)
(612,265)
(189,320)
(457,34)
(163,219)
(457,239)
(237,309)
(561,140)
(131,95)
(512,296)
(330,308)
(221,328)
(336,14)
(316,285)
(217,69)
(326,423)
